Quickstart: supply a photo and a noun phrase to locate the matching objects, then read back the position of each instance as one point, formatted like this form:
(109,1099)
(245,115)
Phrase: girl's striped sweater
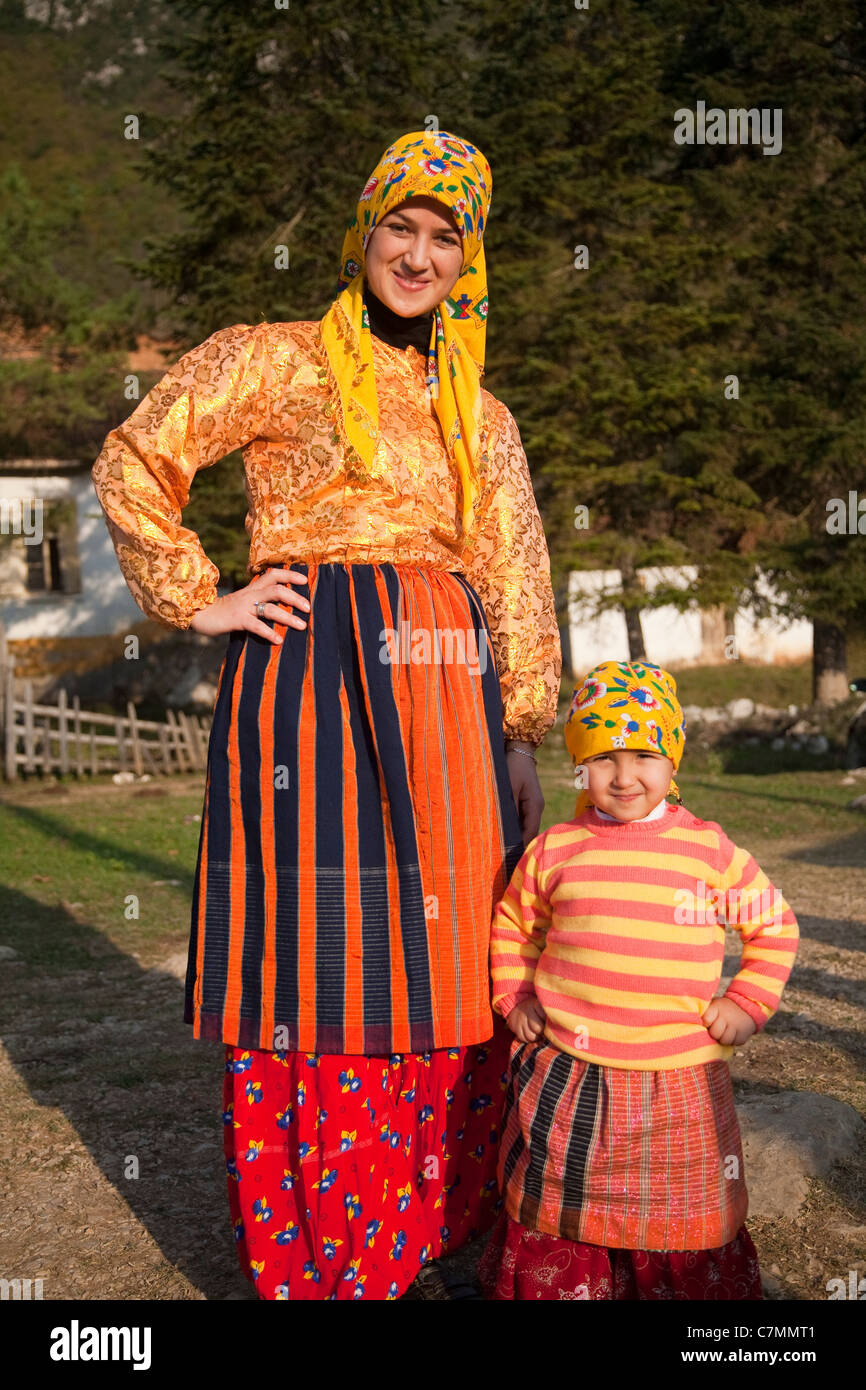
(618,929)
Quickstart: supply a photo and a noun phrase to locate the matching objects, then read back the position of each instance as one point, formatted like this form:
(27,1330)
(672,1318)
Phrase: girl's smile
(628,783)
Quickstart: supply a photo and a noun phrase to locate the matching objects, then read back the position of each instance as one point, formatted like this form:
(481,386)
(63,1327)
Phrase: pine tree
(787,230)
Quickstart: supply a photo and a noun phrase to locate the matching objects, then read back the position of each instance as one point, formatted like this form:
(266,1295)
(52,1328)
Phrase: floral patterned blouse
(269,390)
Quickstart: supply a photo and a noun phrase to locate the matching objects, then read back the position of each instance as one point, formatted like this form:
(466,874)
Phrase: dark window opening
(43,566)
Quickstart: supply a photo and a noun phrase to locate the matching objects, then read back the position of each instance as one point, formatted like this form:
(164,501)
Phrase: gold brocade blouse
(269,390)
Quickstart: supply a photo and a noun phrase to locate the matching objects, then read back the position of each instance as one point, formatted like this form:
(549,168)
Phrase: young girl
(620,1163)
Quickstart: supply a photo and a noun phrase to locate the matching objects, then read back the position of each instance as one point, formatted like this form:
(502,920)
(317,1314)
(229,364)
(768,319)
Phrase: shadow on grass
(846,853)
(86,842)
(761,795)
(138,1085)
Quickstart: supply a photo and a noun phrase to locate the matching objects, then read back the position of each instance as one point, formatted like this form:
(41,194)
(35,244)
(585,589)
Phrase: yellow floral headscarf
(625,704)
(456,173)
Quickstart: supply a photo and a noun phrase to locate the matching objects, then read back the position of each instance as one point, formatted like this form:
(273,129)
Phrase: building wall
(100,604)
(672,638)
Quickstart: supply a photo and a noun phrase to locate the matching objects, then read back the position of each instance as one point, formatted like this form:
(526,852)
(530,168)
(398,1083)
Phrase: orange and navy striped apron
(358,825)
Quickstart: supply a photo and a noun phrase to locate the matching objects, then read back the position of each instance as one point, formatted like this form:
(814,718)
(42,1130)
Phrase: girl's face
(628,783)
(415,256)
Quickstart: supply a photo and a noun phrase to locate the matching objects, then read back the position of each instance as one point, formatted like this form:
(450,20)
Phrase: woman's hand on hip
(237,610)
(525,788)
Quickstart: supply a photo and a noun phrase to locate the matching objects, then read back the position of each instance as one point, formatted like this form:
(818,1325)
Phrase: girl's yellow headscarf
(625,704)
(456,173)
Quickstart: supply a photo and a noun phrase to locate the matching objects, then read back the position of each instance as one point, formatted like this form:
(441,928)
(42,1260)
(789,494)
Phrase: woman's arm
(213,400)
(508,566)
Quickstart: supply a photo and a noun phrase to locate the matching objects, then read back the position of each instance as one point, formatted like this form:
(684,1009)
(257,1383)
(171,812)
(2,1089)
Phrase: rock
(793,709)
(174,965)
(819,743)
(858,804)
(693,713)
(204,693)
(6,953)
(794,744)
(122,778)
(789,1138)
(712,715)
(181,693)
(804,726)
(778,744)
(768,712)
(741,709)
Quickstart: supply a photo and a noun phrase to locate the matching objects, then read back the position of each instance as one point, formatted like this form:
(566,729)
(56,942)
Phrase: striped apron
(640,1160)
(358,824)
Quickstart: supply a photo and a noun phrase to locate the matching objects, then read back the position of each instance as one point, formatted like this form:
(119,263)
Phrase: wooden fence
(65,738)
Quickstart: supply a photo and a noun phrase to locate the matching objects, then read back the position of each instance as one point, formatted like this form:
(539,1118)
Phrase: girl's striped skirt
(358,824)
(639,1160)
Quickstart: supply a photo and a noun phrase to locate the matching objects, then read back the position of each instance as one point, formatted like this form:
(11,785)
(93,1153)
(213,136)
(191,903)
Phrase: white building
(59,575)
(671,637)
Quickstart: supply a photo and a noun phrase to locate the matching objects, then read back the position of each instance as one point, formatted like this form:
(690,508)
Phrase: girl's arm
(768,929)
(519,930)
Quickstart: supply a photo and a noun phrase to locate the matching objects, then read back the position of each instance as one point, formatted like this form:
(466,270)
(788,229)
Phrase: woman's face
(414,256)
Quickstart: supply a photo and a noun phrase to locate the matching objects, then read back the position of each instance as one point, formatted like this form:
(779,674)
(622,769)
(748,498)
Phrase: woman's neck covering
(393,328)
(625,704)
(456,173)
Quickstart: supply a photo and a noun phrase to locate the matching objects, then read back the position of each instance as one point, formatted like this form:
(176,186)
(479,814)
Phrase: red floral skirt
(522,1264)
(346,1174)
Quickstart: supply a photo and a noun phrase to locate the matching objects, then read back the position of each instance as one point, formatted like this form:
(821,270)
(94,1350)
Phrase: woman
(359,820)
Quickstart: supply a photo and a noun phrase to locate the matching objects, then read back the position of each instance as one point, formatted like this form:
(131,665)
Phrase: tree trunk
(563,616)
(829,663)
(631,591)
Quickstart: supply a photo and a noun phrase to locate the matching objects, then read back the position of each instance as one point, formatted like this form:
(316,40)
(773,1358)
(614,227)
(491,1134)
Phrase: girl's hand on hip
(237,610)
(527,1020)
(727,1023)
(525,789)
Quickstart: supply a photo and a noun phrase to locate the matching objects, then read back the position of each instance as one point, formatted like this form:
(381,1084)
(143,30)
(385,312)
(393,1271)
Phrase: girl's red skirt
(523,1264)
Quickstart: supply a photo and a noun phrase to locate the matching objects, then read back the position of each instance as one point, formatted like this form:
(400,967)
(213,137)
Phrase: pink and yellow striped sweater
(618,929)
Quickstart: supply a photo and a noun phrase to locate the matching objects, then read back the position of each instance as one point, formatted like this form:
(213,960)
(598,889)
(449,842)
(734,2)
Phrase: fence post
(9,720)
(165,747)
(177,740)
(77,735)
(133,734)
(28,724)
(63,732)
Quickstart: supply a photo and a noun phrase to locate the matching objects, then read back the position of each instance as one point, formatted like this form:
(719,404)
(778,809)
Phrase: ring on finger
(260,610)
